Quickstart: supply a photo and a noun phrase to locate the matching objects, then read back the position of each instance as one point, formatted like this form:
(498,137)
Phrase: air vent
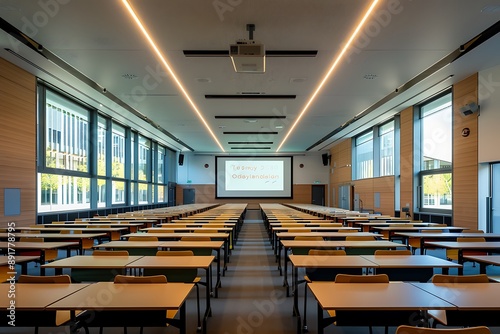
(256,97)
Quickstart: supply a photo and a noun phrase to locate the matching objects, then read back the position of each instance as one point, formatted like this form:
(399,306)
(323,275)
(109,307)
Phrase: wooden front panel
(18,141)
(465,160)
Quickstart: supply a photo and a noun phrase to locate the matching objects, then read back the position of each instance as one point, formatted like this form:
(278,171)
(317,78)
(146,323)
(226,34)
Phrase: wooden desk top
(410,261)
(71,224)
(401,227)
(37,296)
(465,244)
(129,244)
(321,261)
(63,236)
(449,235)
(161,244)
(375,296)
(162,262)
(37,245)
(17,259)
(200,223)
(341,243)
(470,296)
(90,261)
(173,229)
(340,235)
(177,235)
(488,259)
(214,244)
(308,228)
(110,296)
(85,230)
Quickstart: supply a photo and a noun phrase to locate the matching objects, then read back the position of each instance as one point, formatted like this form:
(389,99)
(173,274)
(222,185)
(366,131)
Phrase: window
(364,156)
(436,154)
(118,156)
(101,146)
(386,148)
(144,158)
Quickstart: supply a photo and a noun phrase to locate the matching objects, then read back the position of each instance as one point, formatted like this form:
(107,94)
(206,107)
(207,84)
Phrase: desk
(21,260)
(275,230)
(58,237)
(186,229)
(477,303)
(9,247)
(389,231)
(484,260)
(288,244)
(181,262)
(358,297)
(128,305)
(130,227)
(367,226)
(92,262)
(450,236)
(491,246)
(31,302)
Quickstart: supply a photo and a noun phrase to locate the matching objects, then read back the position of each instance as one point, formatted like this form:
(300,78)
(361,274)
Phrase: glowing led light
(169,69)
(327,76)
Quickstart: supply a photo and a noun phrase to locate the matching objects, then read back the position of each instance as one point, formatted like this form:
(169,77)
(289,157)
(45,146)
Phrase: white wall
(194,169)
(489,115)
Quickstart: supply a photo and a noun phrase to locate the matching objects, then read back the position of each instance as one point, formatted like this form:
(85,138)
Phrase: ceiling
(407,51)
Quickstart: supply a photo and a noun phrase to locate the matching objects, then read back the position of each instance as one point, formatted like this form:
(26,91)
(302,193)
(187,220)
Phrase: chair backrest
(311,238)
(359,238)
(145,238)
(345,278)
(120,279)
(175,253)
(327,252)
(205,230)
(403,329)
(348,231)
(31,239)
(474,239)
(101,252)
(44,279)
(392,252)
(162,230)
(189,238)
(480,278)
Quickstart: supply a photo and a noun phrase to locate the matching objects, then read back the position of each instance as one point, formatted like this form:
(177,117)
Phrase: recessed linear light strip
(169,69)
(327,76)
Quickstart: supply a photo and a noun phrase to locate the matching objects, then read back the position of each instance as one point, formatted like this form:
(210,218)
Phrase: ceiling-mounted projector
(248,57)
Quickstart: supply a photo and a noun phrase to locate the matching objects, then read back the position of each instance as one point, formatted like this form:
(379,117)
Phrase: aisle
(252,299)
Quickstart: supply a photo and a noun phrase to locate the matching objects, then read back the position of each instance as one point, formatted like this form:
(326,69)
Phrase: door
(318,194)
(494,200)
(344,197)
(188,196)
(171,194)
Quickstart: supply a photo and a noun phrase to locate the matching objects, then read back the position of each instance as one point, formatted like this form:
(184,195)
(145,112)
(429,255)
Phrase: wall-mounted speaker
(325,159)
(469,109)
(181,159)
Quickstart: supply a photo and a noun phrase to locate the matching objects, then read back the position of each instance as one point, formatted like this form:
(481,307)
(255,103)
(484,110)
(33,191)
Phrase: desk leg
(295,277)
(285,274)
(218,283)
(226,257)
(279,258)
(320,319)
(422,246)
(482,268)
(182,319)
(42,262)
(208,307)
(461,261)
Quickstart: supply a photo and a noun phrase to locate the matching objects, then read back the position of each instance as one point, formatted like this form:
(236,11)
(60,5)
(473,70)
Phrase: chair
(50,254)
(304,250)
(87,243)
(323,274)
(158,279)
(452,254)
(414,243)
(367,318)
(360,250)
(199,251)
(404,329)
(180,275)
(403,274)
(453,317)
(98,274)
(144,250)
(45,318)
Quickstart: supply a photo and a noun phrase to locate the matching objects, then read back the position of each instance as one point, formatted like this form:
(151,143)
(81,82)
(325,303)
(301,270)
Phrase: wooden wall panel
(465,155)
(18,141)
(385,187)
(406,159)
(340,168)
(205,193)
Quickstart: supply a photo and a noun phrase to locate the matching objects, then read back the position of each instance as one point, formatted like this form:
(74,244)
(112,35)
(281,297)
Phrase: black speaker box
(324,157)
(181,159)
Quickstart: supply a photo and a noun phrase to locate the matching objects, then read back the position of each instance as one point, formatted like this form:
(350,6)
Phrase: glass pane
(387,149)
(161,159)
(133,187)
(144,151)
(101,193)
(118,157)
(101,146)
(60,192)
(364,160)
(437,134)
(143,193)
(132,158)
(161,194)
(437,191)
(66,134)
(118,192)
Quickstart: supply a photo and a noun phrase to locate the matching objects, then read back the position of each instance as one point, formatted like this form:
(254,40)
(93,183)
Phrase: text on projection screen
(254,175)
